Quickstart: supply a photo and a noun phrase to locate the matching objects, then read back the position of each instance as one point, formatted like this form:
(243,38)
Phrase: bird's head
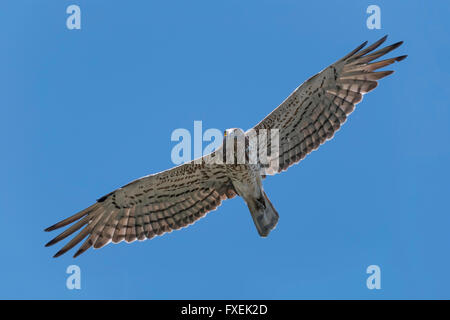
(233,139)
(233,133)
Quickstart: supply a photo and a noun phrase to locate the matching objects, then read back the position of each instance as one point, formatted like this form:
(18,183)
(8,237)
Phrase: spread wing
(147,207)
(317,109)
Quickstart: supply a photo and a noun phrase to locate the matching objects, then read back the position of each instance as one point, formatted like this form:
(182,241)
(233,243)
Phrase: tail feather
(264,214)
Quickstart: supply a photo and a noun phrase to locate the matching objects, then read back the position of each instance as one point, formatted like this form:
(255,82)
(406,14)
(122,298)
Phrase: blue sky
(86,111)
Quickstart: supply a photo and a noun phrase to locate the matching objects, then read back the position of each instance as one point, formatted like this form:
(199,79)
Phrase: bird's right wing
(316,110)
(149,206)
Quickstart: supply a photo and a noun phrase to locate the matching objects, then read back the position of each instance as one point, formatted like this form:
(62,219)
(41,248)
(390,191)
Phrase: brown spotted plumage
(149,206)
(320,106)
(176,198)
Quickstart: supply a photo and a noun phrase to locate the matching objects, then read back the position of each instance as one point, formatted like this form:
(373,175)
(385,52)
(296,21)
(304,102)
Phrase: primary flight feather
(176,198)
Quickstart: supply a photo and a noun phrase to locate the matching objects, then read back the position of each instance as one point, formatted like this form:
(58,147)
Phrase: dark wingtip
(58,254)
(50,228)
(401,57)
(357,49)
(397,44)
(382,39)
(78,253)
(50,243)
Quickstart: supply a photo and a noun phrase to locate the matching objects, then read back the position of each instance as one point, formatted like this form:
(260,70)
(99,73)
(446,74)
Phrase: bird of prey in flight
(175,198)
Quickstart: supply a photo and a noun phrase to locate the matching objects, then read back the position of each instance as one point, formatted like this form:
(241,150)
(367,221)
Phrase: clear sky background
(83,112)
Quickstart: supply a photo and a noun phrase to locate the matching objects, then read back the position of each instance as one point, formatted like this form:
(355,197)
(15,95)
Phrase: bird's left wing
(316,109)
(147,207)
